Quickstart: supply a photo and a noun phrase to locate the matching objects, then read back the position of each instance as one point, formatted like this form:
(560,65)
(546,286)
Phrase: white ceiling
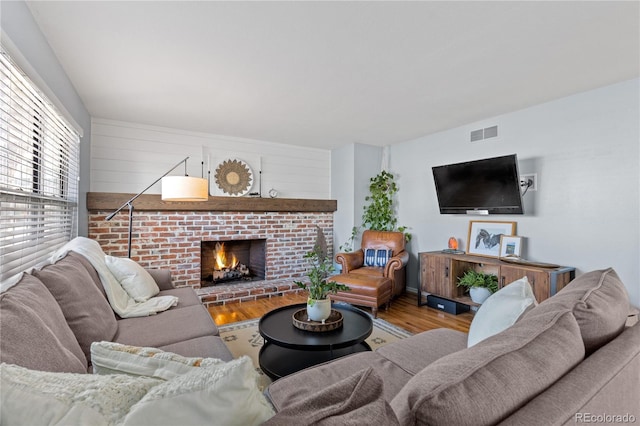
(325,74)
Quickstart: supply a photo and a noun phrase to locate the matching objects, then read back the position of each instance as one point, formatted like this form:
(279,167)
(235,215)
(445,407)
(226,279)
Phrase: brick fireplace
(232,261)
(172,239)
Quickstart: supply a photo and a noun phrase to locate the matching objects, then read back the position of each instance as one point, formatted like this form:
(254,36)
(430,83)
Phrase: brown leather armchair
(373,285)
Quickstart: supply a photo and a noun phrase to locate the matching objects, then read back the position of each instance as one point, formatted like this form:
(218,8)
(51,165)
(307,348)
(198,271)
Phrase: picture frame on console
(510,247)
(484,237)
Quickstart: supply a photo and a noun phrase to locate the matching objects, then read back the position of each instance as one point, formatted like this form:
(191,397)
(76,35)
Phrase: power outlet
(532,179)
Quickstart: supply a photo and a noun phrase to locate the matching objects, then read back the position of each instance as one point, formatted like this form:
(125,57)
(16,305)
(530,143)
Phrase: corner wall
(585,149)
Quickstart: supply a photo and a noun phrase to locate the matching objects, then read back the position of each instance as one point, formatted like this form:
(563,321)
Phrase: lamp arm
(128,203)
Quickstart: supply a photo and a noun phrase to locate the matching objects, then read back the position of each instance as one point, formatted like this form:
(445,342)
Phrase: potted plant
(320,267)
(379,214)
(479,284)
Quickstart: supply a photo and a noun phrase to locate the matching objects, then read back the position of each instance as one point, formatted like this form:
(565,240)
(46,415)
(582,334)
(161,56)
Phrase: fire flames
(222,262)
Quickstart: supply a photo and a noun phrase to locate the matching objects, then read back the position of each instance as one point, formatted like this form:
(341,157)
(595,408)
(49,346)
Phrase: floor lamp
(174,188)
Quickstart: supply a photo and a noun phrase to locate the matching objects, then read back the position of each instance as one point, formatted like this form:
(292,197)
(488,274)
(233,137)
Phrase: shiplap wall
(127,157)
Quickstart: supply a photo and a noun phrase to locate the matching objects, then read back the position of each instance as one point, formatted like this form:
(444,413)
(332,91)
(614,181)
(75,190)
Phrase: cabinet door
(539,280)
(436,275)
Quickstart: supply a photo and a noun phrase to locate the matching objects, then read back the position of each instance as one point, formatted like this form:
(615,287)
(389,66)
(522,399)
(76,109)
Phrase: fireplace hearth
(232,261)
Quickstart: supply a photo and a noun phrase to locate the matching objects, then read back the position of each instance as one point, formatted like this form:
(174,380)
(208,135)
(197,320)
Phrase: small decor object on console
(510,247)
(234,177)
(484,237)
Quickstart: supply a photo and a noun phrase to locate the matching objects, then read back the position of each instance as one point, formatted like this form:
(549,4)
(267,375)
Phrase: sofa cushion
(34,332)
(224,394)
(430,345)
(133,278)
(501,310)
(599,302)
(484,384)
(205,346)
(85,309)
(44,398)
(298,386)
(115,358)
(95,278)
(186,296)
(169,327)
(357,399)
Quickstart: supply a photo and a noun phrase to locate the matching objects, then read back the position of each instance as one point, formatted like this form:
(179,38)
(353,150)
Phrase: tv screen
(488,186)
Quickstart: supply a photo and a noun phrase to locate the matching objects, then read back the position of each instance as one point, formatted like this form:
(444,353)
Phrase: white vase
(318,310)
(479,294)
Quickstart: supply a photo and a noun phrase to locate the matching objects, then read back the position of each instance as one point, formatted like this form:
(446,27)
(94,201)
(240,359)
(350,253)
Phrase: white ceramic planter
(319,310)
(479,294)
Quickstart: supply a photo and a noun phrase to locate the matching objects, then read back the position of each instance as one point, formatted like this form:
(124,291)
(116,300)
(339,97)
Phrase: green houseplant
(320,267)
(379,214)
(479,284)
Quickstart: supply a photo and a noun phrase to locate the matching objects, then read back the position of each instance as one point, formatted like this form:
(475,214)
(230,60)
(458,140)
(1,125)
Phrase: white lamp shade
(184,188)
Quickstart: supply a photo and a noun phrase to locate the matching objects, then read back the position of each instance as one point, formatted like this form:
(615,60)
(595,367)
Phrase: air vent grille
(486,133)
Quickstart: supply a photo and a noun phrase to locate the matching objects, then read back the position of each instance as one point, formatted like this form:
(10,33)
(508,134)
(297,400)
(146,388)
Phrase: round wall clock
(234,177)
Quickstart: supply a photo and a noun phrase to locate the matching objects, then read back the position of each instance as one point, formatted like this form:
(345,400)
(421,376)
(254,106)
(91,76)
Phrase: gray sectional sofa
(50,318)
(574,358)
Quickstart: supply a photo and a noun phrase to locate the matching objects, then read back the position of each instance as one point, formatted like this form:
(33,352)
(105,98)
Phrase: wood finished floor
(404,312)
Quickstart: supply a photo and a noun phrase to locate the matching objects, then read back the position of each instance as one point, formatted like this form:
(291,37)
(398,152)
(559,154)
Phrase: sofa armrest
(351,260)
(396,263)
(162,278)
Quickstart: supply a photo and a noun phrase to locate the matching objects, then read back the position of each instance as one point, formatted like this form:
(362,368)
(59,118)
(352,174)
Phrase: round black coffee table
(288,349)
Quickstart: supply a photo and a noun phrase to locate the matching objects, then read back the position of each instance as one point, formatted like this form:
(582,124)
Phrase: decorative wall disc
(234,177)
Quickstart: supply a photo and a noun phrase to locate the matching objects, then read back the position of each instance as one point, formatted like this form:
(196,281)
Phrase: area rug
(243,338)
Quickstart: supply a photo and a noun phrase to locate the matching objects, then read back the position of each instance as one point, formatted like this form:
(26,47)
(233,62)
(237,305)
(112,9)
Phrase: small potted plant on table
(321,266)
(479,284)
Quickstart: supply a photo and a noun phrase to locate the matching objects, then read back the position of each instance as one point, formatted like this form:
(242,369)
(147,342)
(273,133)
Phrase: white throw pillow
(225,394)
(501,310)
(116,358)
(44,398)
(137,282)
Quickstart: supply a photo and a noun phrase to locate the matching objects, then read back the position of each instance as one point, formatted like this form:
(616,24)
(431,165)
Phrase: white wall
(585,151)
(127,157)
(30,50)
(351,168)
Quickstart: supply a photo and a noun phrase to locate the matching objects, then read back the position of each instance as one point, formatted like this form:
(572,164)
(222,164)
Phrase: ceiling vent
(486,133)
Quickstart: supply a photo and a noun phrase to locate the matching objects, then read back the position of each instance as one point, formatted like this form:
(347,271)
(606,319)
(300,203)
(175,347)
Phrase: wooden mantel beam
(110,201)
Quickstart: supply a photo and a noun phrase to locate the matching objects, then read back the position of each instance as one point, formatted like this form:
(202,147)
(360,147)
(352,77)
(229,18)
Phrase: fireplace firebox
(232,261)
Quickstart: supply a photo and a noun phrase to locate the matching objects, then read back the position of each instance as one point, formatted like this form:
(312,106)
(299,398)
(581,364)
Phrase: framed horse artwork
(484,237)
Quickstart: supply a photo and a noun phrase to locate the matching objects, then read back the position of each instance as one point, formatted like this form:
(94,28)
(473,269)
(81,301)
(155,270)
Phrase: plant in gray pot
(479,284)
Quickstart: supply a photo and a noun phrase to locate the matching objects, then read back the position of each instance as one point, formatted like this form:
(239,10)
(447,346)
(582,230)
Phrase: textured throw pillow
(115,358)
(486,383)
(225,394)
(370,257)
(34,332)
(501,310)
(383,256)
(355,400)
(599,302)
(85,309)
(32,397)
(137,282)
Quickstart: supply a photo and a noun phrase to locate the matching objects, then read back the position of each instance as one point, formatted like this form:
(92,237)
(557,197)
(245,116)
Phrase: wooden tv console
(439,272)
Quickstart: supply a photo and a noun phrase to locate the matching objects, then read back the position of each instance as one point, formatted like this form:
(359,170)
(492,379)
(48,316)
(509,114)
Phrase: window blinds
(39,170)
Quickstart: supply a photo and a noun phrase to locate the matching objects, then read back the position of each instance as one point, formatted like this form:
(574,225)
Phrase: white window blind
(39,169)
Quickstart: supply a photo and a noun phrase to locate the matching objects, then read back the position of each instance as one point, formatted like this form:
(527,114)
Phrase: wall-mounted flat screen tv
(487,186)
